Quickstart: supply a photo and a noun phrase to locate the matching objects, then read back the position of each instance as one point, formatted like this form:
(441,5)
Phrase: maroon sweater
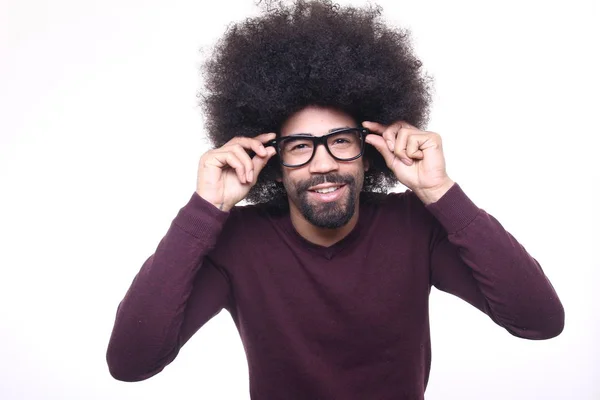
(348,321)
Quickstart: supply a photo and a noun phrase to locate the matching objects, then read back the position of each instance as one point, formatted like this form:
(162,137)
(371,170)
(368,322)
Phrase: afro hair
(311,53)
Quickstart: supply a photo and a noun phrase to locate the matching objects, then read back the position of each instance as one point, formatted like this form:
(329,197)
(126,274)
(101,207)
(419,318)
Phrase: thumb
(381,146)
(375,127)
(259,162)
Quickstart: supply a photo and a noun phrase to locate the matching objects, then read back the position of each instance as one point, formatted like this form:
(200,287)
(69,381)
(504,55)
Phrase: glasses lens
(345,145)
(295,150)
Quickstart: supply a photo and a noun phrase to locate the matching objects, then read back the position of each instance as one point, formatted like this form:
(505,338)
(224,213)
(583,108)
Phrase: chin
(332,215)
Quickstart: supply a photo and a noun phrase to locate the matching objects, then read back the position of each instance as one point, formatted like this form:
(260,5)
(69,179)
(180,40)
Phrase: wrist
(433,194)
(218,204)
(222,207)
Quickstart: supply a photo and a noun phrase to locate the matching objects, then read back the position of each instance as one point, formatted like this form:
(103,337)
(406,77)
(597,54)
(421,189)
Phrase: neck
(321,236)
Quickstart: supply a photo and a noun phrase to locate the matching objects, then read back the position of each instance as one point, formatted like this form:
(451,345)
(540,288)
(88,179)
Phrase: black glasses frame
(317,140)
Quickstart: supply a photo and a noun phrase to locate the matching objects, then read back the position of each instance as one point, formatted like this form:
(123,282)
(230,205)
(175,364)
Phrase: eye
(298,146)
(341,141)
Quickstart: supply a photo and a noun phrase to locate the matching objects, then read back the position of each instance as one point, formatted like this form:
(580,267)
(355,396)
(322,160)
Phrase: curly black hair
(312,53)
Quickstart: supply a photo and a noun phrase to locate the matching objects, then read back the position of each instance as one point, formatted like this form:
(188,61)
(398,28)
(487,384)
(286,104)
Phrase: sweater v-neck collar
(324,251)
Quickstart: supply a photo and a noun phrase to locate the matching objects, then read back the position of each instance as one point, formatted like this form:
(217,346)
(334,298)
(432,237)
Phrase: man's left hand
(415,156)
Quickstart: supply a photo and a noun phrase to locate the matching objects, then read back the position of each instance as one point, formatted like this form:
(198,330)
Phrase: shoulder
(246,232)
(260,213)
(248,224)
(406,201)
(398,210)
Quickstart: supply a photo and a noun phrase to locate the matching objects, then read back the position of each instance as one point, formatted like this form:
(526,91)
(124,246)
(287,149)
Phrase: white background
(100,139)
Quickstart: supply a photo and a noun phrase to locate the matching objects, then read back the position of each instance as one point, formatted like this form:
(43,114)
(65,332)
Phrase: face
(325,191)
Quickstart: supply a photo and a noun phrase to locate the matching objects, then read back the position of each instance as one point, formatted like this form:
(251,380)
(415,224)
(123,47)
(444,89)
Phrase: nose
(322,162)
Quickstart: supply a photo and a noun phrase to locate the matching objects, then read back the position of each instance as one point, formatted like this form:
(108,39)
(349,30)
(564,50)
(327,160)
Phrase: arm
(472,256)
(176,292)
(476,259)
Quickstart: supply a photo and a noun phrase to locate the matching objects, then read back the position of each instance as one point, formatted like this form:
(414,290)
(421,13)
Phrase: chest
(366,296)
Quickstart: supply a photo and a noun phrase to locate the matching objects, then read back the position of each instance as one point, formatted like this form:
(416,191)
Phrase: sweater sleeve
(476,259)
(175,292)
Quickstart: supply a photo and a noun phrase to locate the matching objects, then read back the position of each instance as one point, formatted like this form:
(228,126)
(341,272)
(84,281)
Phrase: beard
(330,215)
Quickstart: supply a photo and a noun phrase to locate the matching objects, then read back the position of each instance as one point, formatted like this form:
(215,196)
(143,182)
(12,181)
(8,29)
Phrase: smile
(327,193)
(327,190)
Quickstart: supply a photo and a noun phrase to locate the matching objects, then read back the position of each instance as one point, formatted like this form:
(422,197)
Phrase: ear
(367,163)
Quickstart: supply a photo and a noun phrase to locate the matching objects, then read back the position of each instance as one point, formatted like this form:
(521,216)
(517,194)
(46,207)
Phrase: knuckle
(236,141)
(208,155)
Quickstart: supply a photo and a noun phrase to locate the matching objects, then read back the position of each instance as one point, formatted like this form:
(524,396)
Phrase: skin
(226,174)
(416,157)
(319,121)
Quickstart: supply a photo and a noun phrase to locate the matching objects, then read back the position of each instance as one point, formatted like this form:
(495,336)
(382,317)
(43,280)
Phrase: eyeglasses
(345,144)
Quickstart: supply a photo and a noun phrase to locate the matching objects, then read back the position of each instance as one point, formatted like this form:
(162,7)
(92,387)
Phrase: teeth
(327,190)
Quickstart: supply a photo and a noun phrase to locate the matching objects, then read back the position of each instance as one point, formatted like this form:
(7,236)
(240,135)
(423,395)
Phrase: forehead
(317,121)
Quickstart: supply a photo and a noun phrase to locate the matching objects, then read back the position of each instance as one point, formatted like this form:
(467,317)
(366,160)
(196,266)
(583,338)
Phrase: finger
(381,146)
(400,146)
(257,143)
(265,137)
(254,144)
(389,133)
(238,166)
(391,136)
(260,162)
(413,146)
(405,124)
(221,159)
(258,147)
(374,127)
(243,156)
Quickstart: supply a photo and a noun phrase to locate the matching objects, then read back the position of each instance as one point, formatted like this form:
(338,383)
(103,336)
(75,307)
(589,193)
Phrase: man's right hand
(226,174)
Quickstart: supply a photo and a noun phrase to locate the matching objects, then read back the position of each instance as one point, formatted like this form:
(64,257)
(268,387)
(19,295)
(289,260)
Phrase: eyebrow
(337,129)
(329,131)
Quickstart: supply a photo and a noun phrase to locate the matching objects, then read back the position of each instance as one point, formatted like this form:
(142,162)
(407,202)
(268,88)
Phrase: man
(326,278)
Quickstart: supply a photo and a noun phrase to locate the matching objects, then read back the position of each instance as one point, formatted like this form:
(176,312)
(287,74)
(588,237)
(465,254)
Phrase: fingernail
(250,176)
(390,145)
(407,161)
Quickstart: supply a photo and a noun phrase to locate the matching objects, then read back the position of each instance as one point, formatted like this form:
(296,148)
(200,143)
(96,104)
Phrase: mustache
(319,179)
